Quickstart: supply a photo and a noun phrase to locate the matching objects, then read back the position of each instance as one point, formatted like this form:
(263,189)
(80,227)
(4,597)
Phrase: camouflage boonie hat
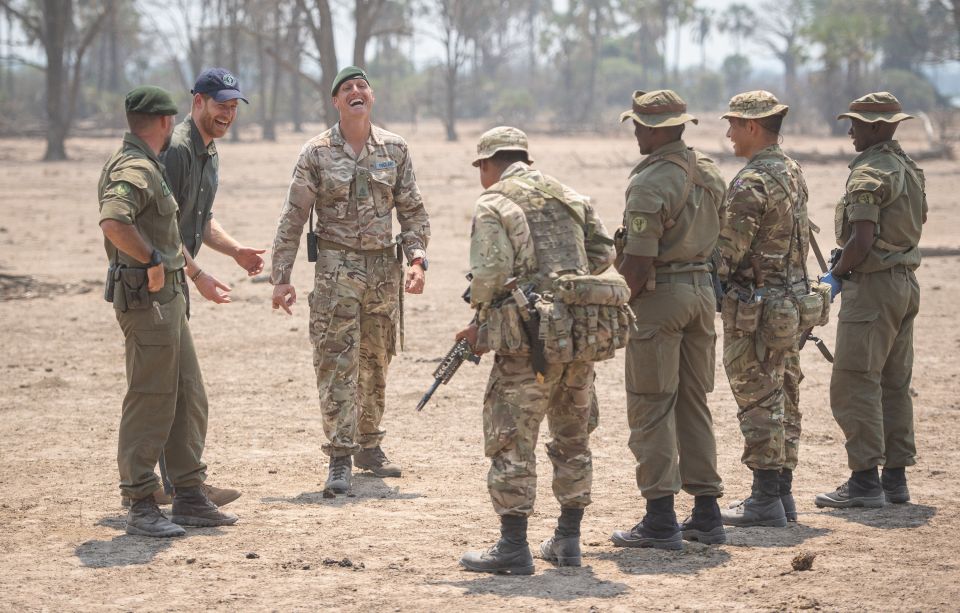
(658,109)
(755,105)
(878,106)
(501,138)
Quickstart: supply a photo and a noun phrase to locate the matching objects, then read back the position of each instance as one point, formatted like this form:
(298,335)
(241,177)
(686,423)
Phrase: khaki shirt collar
(768,150)
(375,138)
(871,150)
(517,168)
(196,139)
(677,146)
(134,141)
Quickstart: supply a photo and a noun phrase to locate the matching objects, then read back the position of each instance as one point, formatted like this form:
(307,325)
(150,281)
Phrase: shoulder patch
(865,198)
(121,189)
(638,224)
(164,187)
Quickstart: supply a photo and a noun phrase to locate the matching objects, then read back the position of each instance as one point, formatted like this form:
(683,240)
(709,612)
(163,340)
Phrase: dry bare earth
(61,375)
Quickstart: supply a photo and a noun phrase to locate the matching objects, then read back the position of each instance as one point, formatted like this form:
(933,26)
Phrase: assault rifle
(448,367)
(808,334)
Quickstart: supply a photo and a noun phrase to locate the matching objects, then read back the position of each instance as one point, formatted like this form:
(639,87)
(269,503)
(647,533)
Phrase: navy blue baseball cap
(220,84)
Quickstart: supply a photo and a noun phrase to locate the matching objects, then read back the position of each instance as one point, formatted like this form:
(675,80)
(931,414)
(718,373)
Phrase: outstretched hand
(249,259)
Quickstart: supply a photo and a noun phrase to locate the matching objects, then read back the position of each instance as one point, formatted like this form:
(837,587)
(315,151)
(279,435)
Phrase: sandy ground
(63,546)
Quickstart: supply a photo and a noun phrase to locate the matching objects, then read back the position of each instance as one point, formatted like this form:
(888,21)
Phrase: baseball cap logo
(229,80)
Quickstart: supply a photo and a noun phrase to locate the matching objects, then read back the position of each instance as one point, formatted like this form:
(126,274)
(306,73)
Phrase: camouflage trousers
(766,386)
(513,408)
(353,312)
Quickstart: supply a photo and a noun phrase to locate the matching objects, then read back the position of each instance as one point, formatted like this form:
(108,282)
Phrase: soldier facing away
(354,176)
(763,249)
(672,218)
(529,226)
(878,225)
(165,407)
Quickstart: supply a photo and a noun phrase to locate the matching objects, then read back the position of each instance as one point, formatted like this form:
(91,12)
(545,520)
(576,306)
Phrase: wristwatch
(421,261)
(155,259)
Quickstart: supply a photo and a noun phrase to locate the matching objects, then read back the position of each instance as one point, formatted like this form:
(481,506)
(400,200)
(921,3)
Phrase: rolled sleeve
(643,220)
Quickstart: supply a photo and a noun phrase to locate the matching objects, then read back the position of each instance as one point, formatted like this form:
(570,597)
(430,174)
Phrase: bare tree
(54,24)
(319,22)
(456,21)
(782,30)
(740,21)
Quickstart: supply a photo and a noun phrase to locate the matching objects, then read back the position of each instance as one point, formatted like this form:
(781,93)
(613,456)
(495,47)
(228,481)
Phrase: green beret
(348,73)
(150,100)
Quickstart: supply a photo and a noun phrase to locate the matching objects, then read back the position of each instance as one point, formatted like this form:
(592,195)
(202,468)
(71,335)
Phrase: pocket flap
(858,316)
(152,338)
(646,334)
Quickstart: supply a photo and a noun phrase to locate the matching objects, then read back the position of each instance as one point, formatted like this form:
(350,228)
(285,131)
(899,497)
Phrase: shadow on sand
(562,584)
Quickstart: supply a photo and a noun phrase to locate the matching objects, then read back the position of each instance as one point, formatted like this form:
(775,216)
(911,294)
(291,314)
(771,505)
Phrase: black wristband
(155,259)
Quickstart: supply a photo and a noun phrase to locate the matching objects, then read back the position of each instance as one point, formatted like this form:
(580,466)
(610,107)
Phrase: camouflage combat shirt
(766,215)
(501,242)
(353,198)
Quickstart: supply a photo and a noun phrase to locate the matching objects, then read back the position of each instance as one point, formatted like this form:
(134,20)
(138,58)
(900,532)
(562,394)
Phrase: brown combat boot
(145,519)
(191,507)
(374,460)
(220,496)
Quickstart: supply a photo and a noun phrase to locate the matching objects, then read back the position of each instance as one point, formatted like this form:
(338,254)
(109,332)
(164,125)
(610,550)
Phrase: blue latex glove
(834,284)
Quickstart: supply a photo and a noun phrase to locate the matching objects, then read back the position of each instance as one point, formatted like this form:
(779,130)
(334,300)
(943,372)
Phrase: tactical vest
(556,227)
(582,317)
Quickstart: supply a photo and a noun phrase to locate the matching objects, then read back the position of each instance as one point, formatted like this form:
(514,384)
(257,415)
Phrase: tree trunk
(328,59)
(56,19)
(234,36)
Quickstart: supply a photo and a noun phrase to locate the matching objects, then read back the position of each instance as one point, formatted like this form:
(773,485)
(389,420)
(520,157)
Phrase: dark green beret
(350,72)
(150,100)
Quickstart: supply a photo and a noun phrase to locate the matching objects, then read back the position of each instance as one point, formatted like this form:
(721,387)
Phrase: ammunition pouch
(133,293)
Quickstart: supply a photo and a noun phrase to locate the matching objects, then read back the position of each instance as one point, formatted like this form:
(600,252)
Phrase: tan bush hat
(878,106)
(501,138)
(755,105)
(658,109)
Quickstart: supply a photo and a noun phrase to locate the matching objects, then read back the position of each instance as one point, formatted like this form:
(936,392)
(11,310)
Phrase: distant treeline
(572,63)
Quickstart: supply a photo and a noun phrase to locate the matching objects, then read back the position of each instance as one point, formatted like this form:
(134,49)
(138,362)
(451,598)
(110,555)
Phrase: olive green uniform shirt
(886,187)
(680,236)
(133,191)
(192,171)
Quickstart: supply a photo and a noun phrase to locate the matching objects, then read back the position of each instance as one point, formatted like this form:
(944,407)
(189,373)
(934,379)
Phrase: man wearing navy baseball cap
(192,169)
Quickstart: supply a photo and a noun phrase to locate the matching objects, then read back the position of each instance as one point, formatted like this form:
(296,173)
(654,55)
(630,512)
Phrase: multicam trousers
(353,313)
(513,408)
(766,386)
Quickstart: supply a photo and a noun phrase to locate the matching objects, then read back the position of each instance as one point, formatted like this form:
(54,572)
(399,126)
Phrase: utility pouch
(608,288)
(748,314)
(556,331)
(111,283)
(780,323)
(815,306)
(133,284)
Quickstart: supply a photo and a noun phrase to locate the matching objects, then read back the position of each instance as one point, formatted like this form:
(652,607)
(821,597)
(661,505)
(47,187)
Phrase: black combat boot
(786,494)
(563,548)
(191,507)
(862,489)
(894,482)
(763,507)
(509,556)
(658,529)
(704,524)
(145,519)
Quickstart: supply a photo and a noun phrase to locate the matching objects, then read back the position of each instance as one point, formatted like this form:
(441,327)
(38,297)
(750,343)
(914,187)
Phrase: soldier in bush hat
(763,249)
(878,225)
(353,179)
(674,205)
(165,407)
